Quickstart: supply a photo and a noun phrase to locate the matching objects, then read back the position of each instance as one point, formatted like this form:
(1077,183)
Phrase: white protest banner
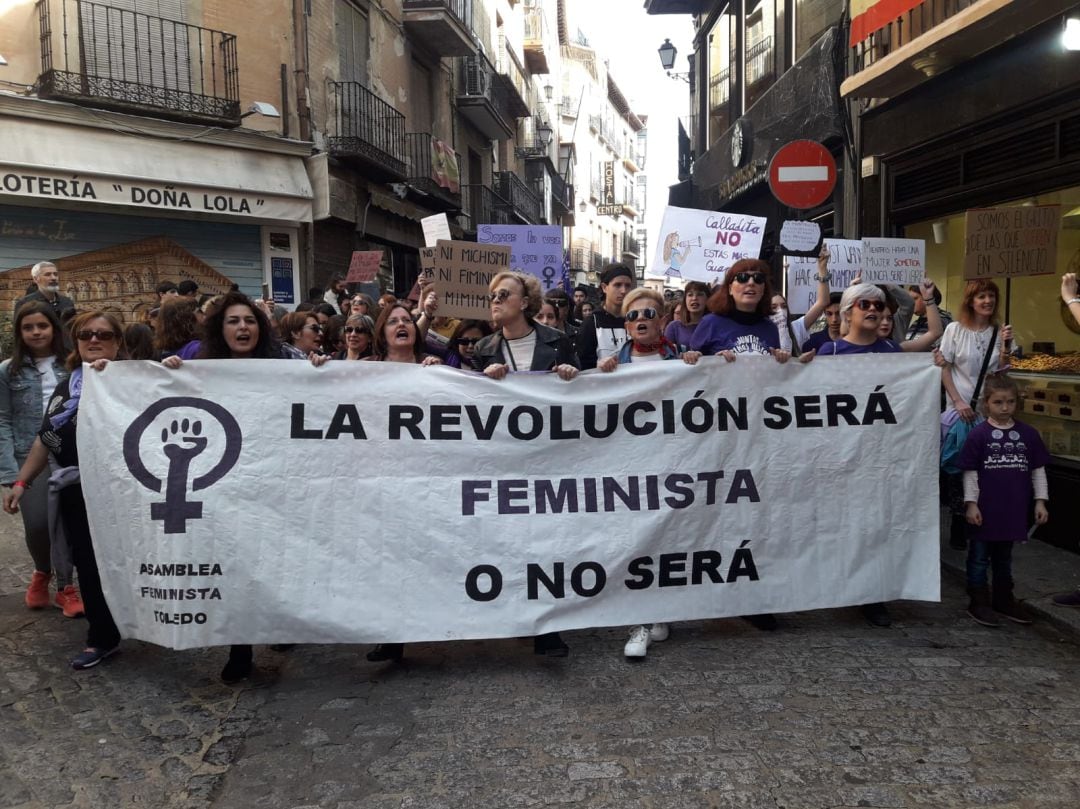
(435,227)
(535,249)
(485,509)
(893,261)
(845,262)
(1011,241)
(701,245)
(800,237)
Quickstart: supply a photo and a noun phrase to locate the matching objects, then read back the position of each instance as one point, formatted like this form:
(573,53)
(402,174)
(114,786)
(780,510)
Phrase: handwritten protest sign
(799,238)
(435,227)
(535,249)
(893,261)
(462,273)
(364,266)
(701,245)
(845,261)
(1011,242)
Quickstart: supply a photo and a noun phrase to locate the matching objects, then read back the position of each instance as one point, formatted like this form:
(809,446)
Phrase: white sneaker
(638,644)
(659,632)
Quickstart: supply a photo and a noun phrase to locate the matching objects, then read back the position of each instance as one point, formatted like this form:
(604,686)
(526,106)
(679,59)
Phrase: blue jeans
(985,555)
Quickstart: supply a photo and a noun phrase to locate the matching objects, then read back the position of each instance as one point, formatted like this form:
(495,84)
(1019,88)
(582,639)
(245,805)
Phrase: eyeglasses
(867,305)
(469,341)
(557,302)
(314,327)
(356,330)
(645,314)
(502,295)
(746,277)
(104,335)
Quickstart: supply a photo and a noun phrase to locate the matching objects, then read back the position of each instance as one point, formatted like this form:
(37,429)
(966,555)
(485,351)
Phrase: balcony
(483,206)
(533,145)
(580,260)
(516,87)
(760,64)
(481,100)
(630,158)
(432,172)
(597,262)
(596,125)
(367,131)
(113,58)
(933,37)
(536,40)
(568,107)
(518,200)
(443,26)
(631,207)
(630,246)
(562,195)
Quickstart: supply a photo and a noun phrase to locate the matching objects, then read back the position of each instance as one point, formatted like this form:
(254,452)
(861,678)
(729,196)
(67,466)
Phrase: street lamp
(668,52)
(1070,37)
(544,132)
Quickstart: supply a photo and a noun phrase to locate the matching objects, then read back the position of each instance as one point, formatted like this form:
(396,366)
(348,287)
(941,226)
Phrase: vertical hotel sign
(868,16)
(608,206)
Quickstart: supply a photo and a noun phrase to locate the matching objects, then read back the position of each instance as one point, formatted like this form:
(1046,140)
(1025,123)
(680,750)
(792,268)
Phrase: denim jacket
(21,413)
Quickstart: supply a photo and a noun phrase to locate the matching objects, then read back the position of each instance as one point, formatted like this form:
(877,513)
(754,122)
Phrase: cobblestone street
(825,712)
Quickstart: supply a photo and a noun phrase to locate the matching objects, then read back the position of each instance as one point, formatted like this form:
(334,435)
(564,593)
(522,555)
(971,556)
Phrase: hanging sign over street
(802,174)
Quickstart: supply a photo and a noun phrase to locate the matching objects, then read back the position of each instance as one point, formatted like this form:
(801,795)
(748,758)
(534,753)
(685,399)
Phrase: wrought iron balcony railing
(117,58)
(562,194)
(519,97)
(483,206)
(630,245)
(433,170)
(580,259)
(516,195)
(902,30)
(367,129)
(537,40)
(759,61)
(482,98)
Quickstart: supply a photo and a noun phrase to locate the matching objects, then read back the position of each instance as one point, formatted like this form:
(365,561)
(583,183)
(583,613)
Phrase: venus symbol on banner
(802,174)
(184,437)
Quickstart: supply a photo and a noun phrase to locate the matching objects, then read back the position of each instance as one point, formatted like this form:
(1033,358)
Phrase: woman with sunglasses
(740,320)
(862,309)
(98,338)
(561,303)
(357,332)
(301,334)
(684,323)
(27,382)
(519,342)
(641,312)
(463,342)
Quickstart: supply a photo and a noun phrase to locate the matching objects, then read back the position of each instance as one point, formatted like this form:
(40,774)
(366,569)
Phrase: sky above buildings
(628,38)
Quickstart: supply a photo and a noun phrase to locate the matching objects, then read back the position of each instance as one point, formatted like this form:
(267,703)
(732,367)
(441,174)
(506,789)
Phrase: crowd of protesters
(528,331)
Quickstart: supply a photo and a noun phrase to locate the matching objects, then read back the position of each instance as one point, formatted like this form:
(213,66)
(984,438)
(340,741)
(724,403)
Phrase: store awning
(62,164)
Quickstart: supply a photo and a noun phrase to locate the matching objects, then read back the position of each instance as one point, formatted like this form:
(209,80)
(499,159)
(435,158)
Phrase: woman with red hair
(739,320)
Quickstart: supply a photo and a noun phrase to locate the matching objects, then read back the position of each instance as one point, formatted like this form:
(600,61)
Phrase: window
(722,110)
(812,18)
(761,48)
(135,41)
(351,28)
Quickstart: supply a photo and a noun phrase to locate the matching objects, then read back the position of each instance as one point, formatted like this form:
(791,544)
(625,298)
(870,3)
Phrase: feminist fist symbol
(181,442)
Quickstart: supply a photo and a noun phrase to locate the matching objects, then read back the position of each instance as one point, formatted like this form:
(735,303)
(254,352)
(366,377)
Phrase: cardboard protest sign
(535,249)
(701,245)
(1012,241)
(845,262)
(364,266)
(435,227)
(893,261)
(462,274)
(800,238)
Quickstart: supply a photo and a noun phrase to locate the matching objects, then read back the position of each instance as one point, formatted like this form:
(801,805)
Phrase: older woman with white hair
(862,309)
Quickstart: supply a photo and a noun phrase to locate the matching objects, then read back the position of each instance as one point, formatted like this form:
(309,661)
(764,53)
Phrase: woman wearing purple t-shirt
(861,309)
(740,322)
(680,331)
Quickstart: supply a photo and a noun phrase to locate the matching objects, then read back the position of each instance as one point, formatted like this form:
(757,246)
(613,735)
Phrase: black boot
(979,608)
(551,645)
(1003,602)
(238,666)
(877,614)
(386,651)
(764,621)
(958,533)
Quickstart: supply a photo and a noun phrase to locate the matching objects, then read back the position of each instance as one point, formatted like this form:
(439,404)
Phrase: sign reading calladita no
(363,502)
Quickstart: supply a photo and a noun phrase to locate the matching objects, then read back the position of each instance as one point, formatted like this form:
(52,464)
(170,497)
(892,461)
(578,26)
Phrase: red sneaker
(37,594)
(70,601)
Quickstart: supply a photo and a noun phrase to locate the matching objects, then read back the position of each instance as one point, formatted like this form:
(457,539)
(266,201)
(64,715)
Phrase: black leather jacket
(552,348)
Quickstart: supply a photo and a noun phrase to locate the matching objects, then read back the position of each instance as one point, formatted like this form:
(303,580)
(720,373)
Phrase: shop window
(351,29)
(761,48)
(722,106)
(812,19)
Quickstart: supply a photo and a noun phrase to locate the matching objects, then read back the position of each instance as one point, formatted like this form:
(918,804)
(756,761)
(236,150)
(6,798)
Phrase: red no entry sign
(802,174)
